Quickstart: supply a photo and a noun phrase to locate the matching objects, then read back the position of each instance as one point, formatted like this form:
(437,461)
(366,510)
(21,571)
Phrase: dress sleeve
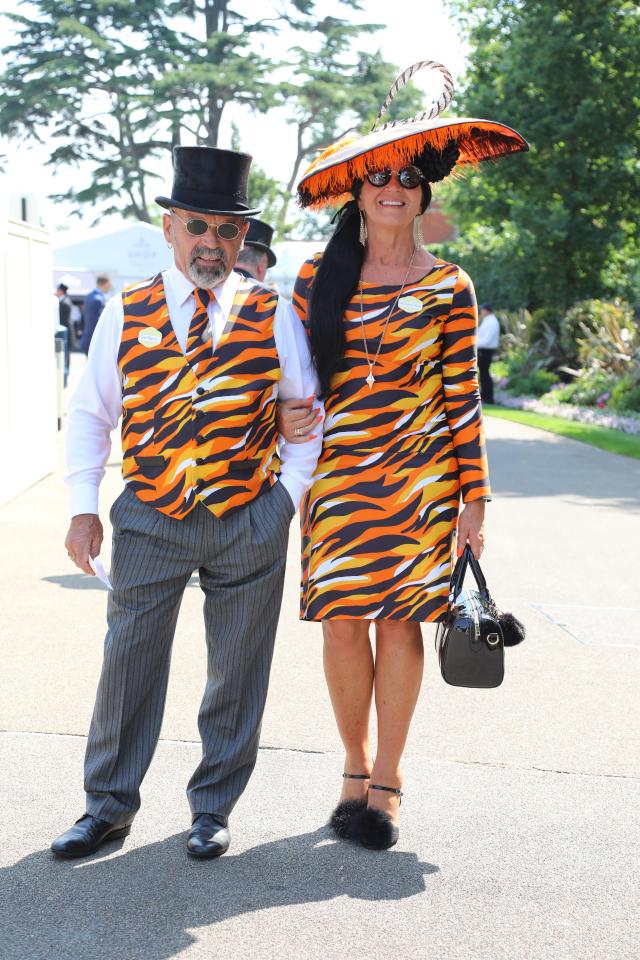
(461,394)
(302,289)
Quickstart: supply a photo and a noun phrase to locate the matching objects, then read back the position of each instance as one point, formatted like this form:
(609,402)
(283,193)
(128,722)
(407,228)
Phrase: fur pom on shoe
(343,814)
(513,631)
(373,829)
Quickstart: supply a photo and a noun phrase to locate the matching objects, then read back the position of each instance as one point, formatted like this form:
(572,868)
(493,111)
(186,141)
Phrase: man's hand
(84,540)
(471,528)
(297,420)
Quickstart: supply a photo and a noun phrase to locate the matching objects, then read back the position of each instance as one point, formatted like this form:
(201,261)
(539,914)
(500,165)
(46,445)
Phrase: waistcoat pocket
(151,467)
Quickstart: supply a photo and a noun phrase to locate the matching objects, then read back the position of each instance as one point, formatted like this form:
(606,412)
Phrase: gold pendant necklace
(371,379)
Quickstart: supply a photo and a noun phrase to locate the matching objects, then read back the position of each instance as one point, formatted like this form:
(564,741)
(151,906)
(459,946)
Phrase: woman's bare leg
(348,667)
(398,676)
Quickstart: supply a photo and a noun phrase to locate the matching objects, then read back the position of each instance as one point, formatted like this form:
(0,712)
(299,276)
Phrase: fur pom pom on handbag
(513,631)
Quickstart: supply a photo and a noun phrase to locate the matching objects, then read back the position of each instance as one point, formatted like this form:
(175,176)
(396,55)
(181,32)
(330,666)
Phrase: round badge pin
(410,304)
(149,337)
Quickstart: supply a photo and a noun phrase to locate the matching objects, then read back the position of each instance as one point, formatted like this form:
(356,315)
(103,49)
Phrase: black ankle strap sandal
(356,776)
(398,792)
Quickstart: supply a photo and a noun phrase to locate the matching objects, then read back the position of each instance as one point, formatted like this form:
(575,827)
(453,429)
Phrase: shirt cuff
(294,488)
(83,498)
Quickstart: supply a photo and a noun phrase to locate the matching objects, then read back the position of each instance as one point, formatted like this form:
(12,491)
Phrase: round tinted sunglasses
(409,177)
(197,228)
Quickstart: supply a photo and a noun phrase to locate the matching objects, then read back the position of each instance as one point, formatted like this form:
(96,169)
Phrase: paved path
(521,806)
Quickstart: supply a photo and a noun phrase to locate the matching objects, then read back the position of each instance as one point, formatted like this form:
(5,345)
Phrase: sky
(413,31)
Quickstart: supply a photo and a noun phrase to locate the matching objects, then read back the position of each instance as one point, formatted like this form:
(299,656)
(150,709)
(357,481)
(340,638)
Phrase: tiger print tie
(199,349)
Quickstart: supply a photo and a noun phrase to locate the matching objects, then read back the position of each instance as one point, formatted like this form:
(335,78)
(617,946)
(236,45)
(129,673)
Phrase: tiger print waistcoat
(209,438)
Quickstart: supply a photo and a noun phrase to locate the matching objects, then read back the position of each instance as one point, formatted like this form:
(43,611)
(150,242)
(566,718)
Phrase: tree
(338,91)
(557,225)
(205,69)
(77,71)
(119,84)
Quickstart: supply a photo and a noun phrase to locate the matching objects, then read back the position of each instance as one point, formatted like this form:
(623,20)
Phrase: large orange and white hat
(398,142)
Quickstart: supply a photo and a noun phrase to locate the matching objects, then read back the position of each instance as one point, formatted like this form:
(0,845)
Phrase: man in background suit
(93,307)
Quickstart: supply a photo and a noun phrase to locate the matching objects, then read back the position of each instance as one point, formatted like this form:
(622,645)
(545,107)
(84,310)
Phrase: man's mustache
(215,253)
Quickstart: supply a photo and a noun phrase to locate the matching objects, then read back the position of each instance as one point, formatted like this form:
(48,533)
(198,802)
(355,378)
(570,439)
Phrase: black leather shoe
(209,836)
(87,835)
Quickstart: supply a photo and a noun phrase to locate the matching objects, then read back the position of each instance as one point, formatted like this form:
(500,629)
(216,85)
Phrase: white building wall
(28,413)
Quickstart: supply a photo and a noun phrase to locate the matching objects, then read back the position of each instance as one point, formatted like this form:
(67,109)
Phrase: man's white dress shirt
(489,332)
(96,405)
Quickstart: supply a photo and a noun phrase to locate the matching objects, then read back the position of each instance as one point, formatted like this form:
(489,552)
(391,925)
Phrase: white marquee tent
(127,253)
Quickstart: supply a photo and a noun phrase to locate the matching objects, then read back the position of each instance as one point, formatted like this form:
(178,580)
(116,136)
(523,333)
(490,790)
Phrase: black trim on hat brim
(263,248)
(168,203)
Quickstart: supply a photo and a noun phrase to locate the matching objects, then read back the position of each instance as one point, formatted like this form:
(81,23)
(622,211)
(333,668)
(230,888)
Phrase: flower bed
(570,411)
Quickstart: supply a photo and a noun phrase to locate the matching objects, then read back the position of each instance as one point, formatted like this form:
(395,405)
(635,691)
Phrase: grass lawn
(612,440)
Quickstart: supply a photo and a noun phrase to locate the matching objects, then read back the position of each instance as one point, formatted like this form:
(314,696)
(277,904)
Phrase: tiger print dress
(379,521)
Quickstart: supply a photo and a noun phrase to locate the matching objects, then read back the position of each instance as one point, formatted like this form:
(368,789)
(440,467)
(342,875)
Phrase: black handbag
(471,640)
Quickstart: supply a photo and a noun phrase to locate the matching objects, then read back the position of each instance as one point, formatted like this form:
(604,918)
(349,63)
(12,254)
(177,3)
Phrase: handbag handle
(467,559)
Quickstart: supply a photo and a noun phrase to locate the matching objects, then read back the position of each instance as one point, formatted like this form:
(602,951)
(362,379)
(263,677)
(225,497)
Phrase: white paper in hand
(97,566)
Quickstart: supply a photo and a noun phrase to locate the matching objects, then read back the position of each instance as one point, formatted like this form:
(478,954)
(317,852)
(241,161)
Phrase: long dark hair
(334,286)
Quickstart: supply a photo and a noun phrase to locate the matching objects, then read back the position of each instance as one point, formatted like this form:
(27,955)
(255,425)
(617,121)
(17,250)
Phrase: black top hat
(208,180)
(259,236)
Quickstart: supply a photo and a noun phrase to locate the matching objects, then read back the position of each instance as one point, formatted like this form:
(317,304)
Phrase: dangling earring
(364,233)
(418,238)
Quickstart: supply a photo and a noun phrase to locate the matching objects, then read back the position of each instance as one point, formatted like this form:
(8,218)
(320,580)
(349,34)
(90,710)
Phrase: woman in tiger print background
(392,330)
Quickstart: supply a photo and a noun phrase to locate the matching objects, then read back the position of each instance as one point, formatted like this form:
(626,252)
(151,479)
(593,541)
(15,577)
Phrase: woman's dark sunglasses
(198,228)
(410,177)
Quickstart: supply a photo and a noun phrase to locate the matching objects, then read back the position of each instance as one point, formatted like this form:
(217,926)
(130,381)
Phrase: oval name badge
(410,304)
(149,337)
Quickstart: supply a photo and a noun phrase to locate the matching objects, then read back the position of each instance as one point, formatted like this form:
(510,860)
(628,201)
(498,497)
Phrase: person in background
(488,339)
(64,315)
(93,307)
(256,257)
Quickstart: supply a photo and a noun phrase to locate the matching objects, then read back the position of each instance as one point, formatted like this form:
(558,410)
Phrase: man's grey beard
(207,277)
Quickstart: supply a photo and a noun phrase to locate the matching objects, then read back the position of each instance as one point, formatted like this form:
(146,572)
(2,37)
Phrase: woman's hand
(471,528)
(296,420)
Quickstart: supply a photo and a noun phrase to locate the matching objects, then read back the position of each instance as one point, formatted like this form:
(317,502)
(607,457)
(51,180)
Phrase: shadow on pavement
(538,468)
(82,581)
(75,581)
(99,907)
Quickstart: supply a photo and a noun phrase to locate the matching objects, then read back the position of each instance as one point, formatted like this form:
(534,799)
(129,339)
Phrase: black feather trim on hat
(513,631)
(438,164)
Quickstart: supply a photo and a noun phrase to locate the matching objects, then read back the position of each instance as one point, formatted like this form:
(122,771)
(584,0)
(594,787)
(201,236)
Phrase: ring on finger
(298,432)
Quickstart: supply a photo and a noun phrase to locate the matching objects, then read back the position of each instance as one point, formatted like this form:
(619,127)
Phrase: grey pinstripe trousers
(241,563)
